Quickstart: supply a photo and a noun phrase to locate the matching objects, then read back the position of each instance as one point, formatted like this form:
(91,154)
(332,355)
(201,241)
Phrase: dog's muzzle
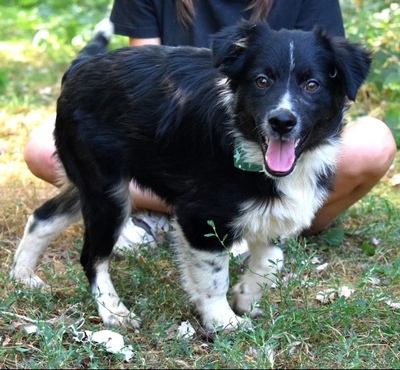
(280,156)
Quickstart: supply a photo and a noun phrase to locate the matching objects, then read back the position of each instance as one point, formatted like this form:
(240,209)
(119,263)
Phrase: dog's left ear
(352,63)
(230,46)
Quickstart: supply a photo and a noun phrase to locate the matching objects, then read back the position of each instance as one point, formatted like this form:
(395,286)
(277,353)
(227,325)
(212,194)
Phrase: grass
(297,330)
(360,331)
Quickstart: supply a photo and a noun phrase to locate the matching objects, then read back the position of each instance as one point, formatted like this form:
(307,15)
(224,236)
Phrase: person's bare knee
(145,200)
(39,154)
(368,150)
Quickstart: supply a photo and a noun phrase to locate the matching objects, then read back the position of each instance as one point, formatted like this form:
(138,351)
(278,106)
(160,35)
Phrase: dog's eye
(263,82)
(311,85)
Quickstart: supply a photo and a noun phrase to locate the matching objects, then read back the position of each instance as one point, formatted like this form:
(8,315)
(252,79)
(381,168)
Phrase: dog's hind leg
(205,277)
(110,307)
(46,223)
(104,214)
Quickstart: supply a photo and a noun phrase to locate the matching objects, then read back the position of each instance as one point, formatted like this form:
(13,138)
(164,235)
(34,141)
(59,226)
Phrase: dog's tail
(98,45)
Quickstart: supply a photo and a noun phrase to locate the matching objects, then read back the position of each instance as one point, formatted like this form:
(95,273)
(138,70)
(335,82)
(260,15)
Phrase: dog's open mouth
(281,155)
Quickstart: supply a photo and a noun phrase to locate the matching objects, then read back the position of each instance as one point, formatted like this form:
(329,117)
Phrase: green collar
(239,161)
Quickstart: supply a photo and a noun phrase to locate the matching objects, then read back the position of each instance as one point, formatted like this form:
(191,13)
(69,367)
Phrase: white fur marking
(112,311)
(226,96)
(105,27)
(34,243)
(205,277)
(301,198)
(265,262)
(286,101)
(291,51)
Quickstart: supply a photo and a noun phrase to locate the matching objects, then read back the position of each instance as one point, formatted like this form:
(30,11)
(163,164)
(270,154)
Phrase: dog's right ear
(230,46)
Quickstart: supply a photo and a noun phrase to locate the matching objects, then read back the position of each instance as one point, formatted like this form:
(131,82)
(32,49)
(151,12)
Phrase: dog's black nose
(282,121)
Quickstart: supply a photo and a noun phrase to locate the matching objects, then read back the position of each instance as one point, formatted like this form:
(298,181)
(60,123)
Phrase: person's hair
(186,12)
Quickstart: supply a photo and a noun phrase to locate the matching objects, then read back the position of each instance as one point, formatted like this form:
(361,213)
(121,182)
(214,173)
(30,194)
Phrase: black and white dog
(245,135)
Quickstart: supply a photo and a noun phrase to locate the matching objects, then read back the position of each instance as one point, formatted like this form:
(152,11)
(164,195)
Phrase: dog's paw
(129,321)
(227,323)
(223,323)
(31,280)
(217,315)
(244,300)
(118,317)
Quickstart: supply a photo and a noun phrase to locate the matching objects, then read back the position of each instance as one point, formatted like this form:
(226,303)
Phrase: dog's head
(290,87)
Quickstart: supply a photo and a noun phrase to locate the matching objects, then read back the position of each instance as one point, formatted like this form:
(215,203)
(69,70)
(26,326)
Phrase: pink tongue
(280,155)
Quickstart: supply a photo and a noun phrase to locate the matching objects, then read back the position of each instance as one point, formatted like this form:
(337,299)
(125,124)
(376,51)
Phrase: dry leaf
(30,328)
(186,330)
(392,304)
(201,349)
(395,180)
(6,341)
(322,267)
(286,279)
(294,347)
(376,241)
(345,291)
(316,260)
(251,352)
(373,280)
(329,295)
(326,296)
(114,342)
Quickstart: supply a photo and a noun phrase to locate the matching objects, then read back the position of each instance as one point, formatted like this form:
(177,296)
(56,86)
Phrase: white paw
(245,298)
(217,315)
(119,318)
(264,265)
(31,280)
(228,323)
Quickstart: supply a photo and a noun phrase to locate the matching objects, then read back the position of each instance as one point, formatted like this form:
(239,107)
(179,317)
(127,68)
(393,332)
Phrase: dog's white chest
(286,216)
(294,211)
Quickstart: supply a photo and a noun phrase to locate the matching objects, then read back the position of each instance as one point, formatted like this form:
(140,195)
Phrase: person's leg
(38,154)
(368,150)
(143,200)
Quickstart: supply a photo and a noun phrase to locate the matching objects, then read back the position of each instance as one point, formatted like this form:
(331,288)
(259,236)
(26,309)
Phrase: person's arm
(138,20)
(140,42)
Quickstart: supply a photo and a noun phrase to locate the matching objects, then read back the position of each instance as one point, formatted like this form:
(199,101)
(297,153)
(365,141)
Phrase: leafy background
(60,28)
(377,23)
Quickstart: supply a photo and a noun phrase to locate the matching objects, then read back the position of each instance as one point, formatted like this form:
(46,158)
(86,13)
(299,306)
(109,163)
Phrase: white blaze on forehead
(291,63)
(291,53)
(286,100)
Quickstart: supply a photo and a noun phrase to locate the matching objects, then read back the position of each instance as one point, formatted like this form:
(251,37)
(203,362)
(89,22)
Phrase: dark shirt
(158,18)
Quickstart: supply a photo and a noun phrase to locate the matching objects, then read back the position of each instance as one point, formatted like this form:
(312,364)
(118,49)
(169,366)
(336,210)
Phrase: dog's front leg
(205,277)
(264,264)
